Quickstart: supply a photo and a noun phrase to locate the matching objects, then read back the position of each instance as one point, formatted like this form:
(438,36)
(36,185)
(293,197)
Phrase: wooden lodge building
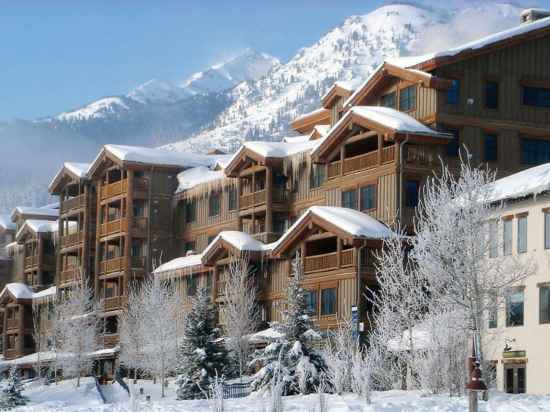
(332,192)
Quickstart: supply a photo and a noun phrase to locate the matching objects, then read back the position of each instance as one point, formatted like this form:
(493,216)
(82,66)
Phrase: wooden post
(99,221)
(380,147)
(128,239)
(339,250)
(40,251)
(269,201)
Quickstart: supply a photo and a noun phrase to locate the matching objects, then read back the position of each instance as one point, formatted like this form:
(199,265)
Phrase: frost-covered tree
(239,310)
(202,355)
(78,326)
(292,354)
(338,354)
(158,319)
(453,247)
(10,390)
(38,334)
(131,333)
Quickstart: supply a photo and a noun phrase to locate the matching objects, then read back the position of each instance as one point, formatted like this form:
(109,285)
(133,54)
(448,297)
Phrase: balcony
(73,203)
(141,184)
(112,227)
(139,225)
(12,324)
(333,170)
(361,162)
(69,274)
(73,239)
(113,303)
(388,154)
(328,261)
(112,265)
(114,189)
(253,199)
(423,154)
(31,261)
(109,341)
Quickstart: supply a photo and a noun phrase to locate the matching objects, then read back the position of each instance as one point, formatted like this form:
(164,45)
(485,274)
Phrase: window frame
(356,200)
(522,233)
(486,95)
(374,199)
(407,202)
(409,99)
(490,148)
(335,302)
(515,291)
(546,213)
(507,228)
(453,93)
(542,288)
(542,95)
(530,146)
(232,198)
(214,204)
(389,96)
(190,211)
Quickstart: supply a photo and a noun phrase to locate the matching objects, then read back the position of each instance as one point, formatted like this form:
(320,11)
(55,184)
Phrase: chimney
(531,15)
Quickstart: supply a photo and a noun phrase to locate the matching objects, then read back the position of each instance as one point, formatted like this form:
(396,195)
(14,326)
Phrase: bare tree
(38,334)
(240,309)
(132,340)
(160,313)
(338,354)
(78,327)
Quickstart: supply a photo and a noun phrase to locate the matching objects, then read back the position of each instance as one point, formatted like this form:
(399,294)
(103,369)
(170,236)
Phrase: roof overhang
(305,123)
(61,179)
(220,245)
(336,91)
(243,155)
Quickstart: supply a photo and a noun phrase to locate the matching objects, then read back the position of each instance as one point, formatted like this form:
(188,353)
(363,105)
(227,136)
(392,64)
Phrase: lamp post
(475,381)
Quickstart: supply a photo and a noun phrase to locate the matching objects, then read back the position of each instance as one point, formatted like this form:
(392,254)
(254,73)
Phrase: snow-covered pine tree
(291,354)
(202,355)
(10,391)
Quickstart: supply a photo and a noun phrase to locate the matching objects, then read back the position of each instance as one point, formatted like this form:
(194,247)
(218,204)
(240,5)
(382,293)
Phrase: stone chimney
(531,15)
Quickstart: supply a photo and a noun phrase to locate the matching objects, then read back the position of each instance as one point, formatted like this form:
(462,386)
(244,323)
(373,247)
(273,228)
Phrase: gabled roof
(383,120)
(195,176)
(38,226)
(21,291)
(42,212)
(496,41)
(6,223)
(267,153)
(137,155)
(73,171)
(530,182)
(387,70)
(305,122)
(338,89)
(343,222)
(236,243)
(188,263)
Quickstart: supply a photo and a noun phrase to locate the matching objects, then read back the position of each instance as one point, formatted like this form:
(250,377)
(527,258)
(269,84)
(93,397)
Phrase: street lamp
(475,381)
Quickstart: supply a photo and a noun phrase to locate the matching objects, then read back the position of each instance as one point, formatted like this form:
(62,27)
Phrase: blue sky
(58,55)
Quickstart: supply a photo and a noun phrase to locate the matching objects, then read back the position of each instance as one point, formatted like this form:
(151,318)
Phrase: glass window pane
(522,234)
(389,100)
(507,238)
(453,94)
(491,152)
(328,301)
(491,95)
(544,298)
(514,308)
(493,236)
(349,199)
(547,230)
(407,98)
(368,197)
(311,301)
(411,193)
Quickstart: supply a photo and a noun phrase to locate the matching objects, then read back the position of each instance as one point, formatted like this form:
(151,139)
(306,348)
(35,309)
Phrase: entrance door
(514,378)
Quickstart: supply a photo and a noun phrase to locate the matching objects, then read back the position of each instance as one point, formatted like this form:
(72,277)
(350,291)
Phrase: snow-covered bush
(202,355)
(10,391)
(338,355)
(291,354)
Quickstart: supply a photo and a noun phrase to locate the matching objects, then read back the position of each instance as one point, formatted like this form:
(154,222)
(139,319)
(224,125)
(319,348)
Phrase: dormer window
(388,100)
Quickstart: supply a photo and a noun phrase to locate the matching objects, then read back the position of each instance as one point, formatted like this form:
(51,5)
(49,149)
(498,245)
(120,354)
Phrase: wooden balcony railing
(12,353)
(73,203)
(114,189)
(31,261)
(69,274)
(252,199)
(113,303)
(111,265)
(141,184)
(115,226)
(139,223)
(220,288)
(110,341)
(280,195)
(321,262)
(346,258)
(72,239)
(388,154)
(361,162)
(333,170)
(12,324)
(422,154)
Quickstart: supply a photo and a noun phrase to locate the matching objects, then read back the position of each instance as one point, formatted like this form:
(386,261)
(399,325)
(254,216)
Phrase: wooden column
(269,200)
(239,194)
(40,260)
(380,147)
(99,220)
(20,329)
(339,250)
(128,238)
(342,154)
(85,228)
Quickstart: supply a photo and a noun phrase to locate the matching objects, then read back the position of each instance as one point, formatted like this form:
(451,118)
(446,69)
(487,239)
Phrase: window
(389,100)
(454,143)
(534,152)
(189,246)
(514,308)
(368,197)
(190,211)
(522,234)
(328,301)
(232,198)
(310,297)
(11,341)
(407,99)
(491,152)
(214,204)
(536,96)
(111,325)
(493,236)
(544,304)
(349,199)
(493,318)
(28,341)
(209,281)
(411,193)
(453,94)
(547,229)
(317,175)
(507,237)
(191,285)
(491,95)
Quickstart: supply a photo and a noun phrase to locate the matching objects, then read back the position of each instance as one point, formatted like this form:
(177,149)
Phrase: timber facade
(362,157)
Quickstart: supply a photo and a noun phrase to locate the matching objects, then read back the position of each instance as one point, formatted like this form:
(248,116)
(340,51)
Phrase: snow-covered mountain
(264,108)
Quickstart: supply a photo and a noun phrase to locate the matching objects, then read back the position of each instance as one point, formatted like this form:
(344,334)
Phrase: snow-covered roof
(322,129)
(6,223)
(79,169)
(309,114)
(280,149)
(197,175)
(179,263)
(18,291)
(296,139)
(529,182)
(356,224)
(39,226)
(34,211)
(265,336)
(240,241)
(473,45)
(156,156)
(46,293)
(349,85)
(362,85)
(396,120)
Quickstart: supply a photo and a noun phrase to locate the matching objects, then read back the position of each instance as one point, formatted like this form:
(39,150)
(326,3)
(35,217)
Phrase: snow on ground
(65,397)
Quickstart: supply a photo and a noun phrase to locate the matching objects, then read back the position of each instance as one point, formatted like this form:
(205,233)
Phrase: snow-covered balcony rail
(73,203)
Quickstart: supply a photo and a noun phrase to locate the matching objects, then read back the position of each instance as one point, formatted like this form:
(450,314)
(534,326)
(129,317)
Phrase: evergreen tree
(10,391)
(291,354)
(203,356)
